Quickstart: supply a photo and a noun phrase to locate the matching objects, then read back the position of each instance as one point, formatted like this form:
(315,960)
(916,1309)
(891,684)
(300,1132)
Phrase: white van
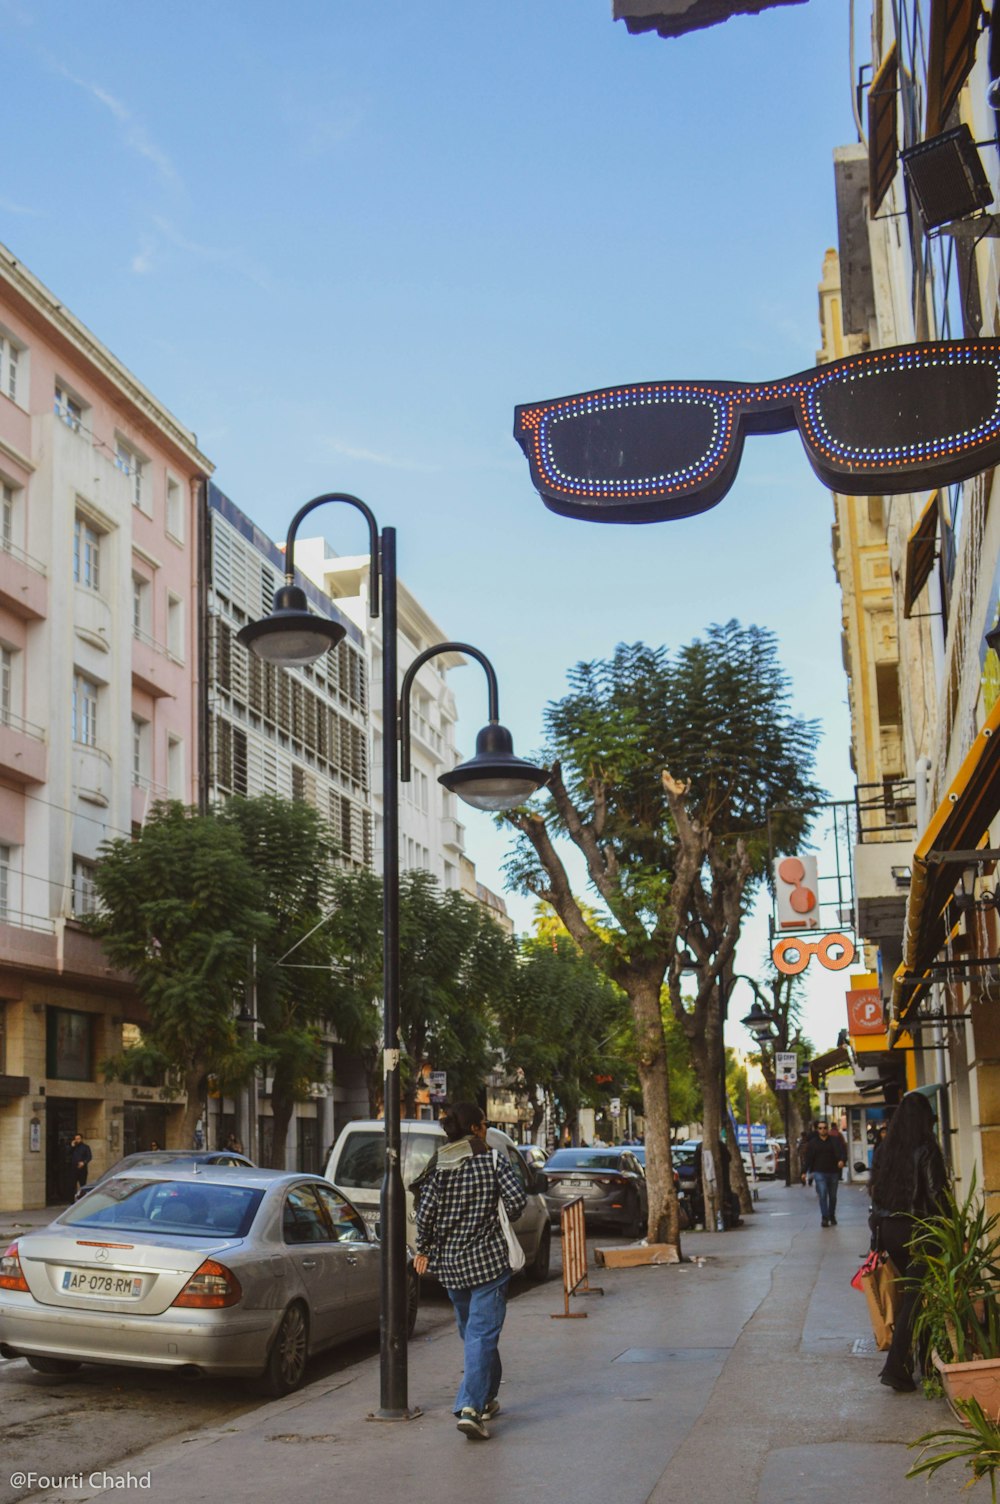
(357,1162)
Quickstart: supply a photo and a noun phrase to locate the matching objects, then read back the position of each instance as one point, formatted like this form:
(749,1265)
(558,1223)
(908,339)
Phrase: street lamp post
(767,1029)
(292,636)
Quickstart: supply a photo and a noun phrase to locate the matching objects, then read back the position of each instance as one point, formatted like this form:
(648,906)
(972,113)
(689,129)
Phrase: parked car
(211,1270)
(158,1159)
(356,1166)
(611,1181)
(533,1155)
(764,1162)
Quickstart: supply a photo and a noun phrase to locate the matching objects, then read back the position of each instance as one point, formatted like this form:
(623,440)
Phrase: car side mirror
(860,1168)
(539,1182)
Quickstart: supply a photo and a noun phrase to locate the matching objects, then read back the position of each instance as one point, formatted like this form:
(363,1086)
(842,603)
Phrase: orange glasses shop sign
(793,953)
(796,886)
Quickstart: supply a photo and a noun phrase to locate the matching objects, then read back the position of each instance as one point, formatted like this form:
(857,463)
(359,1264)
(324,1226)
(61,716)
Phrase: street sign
(786,1070)
(758,1135)
(437,1084)
(615,1107)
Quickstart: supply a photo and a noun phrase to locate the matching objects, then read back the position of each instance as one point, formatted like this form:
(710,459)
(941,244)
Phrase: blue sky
(340,241)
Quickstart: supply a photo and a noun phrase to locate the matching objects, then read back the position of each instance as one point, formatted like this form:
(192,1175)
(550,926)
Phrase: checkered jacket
(458,1226)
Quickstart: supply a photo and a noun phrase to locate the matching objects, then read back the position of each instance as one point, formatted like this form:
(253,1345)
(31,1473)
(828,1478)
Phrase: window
(175,767)
(6,516)
(68,1044)
(4,881)
(175,627)
(6,684)
(84,710)
(140,606)
(84,892)
(140,744)
(175,509)
(86,554)
(68,408)
(131,464)
(11,383)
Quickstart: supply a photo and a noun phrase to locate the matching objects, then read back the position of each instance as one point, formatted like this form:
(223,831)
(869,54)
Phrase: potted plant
(958,1317)
(976,1443)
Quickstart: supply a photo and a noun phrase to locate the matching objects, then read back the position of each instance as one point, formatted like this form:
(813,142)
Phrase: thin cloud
(214,255)
(373,457)
(8,207)
(133,132)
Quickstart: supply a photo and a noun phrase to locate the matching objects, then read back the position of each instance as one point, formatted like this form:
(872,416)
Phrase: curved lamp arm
(493,694)
(373,548)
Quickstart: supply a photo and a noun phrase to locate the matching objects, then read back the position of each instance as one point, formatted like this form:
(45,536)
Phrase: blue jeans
(480,1314)
(826,1190)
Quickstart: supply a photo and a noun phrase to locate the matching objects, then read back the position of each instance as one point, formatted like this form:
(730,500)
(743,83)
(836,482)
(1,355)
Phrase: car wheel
(412,1300)
(54,1365)
(286,1362)
(538,1269)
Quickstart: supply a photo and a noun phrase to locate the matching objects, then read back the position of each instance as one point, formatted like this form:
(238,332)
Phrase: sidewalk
(752,1376)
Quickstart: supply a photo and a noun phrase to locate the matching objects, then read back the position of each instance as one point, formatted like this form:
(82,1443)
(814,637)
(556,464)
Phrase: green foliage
(716,713)
(977,1444)
(563,1024)
(960,1249)
(180,907)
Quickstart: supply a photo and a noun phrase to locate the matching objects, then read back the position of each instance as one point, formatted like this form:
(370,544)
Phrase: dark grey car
(611,1181)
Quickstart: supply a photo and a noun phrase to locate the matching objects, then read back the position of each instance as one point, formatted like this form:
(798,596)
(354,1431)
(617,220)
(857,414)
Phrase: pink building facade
(100,496)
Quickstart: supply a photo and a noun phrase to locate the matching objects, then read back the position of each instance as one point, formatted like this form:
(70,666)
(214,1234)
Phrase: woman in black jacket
(909,1180)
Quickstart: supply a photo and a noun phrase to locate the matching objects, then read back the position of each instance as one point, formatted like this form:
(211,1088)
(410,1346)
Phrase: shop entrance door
(60,1126)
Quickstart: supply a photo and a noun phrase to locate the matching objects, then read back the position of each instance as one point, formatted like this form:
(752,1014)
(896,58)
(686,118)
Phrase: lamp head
(292,636)
(495,778)
(759,1023)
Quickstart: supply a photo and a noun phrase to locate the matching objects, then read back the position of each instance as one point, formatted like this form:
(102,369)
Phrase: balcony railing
(886,811)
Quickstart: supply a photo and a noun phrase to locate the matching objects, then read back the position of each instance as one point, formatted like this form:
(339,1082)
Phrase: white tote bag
(515,1253)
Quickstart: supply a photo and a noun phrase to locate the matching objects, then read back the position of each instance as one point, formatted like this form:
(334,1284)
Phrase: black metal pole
(393,1394)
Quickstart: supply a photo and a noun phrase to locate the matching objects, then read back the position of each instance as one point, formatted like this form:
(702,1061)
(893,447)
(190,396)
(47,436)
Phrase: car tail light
(11,1274)
(210,1286)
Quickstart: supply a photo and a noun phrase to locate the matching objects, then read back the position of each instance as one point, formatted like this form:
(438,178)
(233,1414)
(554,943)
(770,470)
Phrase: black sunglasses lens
(632,442)
(903,410)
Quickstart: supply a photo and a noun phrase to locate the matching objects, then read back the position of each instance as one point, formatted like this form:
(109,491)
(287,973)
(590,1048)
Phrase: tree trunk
(664,1220)
(282,1107)
(738,1180)
(705,1053)
(194,1085)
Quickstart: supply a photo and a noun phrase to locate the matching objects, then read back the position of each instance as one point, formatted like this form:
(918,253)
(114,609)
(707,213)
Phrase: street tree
(454,966)
(179,908)
(565,1029)
(290,850)
(664,770)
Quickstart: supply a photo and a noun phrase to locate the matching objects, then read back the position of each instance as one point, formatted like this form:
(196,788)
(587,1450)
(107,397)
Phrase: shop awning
(951,51)
(953,841)
(921,549)
(823,1064)
(883,148)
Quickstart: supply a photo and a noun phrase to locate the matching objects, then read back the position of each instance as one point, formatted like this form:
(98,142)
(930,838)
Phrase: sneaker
(833,1221)
(825,1222)
(472,1425)
(491,1408)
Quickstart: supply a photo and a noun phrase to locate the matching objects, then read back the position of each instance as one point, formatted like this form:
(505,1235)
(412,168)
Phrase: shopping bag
(878,1281)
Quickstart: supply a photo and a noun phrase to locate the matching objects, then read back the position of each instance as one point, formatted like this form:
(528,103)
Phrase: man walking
(79,1159)
(824,1162)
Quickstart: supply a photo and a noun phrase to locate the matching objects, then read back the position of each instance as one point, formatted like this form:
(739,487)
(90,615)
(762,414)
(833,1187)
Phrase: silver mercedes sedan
(202,1270)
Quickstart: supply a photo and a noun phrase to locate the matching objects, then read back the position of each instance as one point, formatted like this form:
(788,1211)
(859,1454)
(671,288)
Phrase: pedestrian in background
(909,1180)
(459,1240)
(79,1161)
(824,1162)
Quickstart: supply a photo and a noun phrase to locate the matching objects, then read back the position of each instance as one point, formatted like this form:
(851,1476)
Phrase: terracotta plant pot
(978,1379)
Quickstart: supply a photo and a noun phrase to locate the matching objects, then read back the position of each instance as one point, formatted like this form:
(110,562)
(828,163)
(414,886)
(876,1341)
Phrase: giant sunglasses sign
(904,419)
